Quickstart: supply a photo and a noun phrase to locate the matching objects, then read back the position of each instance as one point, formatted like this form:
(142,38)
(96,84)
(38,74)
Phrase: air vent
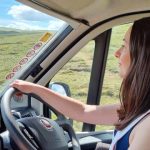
(26,115)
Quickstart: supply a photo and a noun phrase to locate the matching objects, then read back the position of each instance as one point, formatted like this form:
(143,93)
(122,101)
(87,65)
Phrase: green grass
(76,73)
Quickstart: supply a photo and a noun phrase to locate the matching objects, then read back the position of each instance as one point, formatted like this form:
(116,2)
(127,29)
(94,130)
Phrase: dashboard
(19,100)
(20,106)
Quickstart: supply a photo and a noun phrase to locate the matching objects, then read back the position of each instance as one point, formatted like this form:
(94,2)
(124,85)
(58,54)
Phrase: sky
(16,15)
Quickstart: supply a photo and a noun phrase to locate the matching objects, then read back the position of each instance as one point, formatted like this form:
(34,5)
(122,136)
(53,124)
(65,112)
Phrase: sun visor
(87,12)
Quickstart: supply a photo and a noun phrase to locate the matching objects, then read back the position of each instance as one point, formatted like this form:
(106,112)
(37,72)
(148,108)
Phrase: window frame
(102,42)
(97,74)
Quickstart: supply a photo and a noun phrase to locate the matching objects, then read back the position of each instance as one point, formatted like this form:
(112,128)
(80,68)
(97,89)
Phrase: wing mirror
(60,88)
(63,89)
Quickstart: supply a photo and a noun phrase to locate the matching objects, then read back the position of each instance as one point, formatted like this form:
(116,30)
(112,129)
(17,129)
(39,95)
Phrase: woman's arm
(106,115)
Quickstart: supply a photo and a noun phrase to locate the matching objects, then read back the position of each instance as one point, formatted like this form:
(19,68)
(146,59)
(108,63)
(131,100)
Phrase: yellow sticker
(45,37)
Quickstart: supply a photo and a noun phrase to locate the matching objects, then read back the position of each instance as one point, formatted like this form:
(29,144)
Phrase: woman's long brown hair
(135,89)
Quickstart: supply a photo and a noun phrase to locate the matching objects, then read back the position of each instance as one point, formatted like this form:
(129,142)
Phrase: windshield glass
(23,33)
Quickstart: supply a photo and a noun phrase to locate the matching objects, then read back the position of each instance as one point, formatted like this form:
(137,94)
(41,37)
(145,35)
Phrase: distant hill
(8,31)
(12,31)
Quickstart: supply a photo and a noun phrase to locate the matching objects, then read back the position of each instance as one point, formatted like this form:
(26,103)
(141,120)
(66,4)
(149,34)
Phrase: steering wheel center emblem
(45,123)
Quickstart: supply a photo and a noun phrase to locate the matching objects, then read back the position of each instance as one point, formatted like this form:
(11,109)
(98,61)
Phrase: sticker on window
(30,54)
(23,61)
(10,76)
(16,68)
(37,46)
(45,37)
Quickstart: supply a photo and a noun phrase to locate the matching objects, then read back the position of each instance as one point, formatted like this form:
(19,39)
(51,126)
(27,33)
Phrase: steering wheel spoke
(27,133)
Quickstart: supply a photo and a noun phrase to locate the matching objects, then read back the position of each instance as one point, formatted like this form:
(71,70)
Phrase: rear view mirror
(60,88)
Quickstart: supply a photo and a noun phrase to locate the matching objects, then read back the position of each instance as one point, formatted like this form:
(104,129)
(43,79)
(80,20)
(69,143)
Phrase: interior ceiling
(93,10)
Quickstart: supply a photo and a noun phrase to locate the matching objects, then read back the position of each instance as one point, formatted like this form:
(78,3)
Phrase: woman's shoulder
(145,122)
(141,132)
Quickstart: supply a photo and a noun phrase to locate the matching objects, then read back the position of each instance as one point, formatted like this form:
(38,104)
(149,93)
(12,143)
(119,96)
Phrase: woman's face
(123,54)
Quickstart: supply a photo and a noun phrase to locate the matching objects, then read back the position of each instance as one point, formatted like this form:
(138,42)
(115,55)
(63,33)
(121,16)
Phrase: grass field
(76,73)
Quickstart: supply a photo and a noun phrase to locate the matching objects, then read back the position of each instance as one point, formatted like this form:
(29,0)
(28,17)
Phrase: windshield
(23,33)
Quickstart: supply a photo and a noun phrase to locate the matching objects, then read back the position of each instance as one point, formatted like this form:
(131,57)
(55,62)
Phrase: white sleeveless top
(121,133)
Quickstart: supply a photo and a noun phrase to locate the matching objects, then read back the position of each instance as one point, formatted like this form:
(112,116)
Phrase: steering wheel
(36,133)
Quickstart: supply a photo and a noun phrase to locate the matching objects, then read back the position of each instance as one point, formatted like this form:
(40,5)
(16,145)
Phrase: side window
(76,74)
(112,81)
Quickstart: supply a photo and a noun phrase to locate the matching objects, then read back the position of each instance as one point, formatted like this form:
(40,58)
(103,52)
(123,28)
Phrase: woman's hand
(23,86)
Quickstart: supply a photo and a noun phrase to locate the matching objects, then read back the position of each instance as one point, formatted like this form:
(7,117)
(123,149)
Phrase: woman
(130,117)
